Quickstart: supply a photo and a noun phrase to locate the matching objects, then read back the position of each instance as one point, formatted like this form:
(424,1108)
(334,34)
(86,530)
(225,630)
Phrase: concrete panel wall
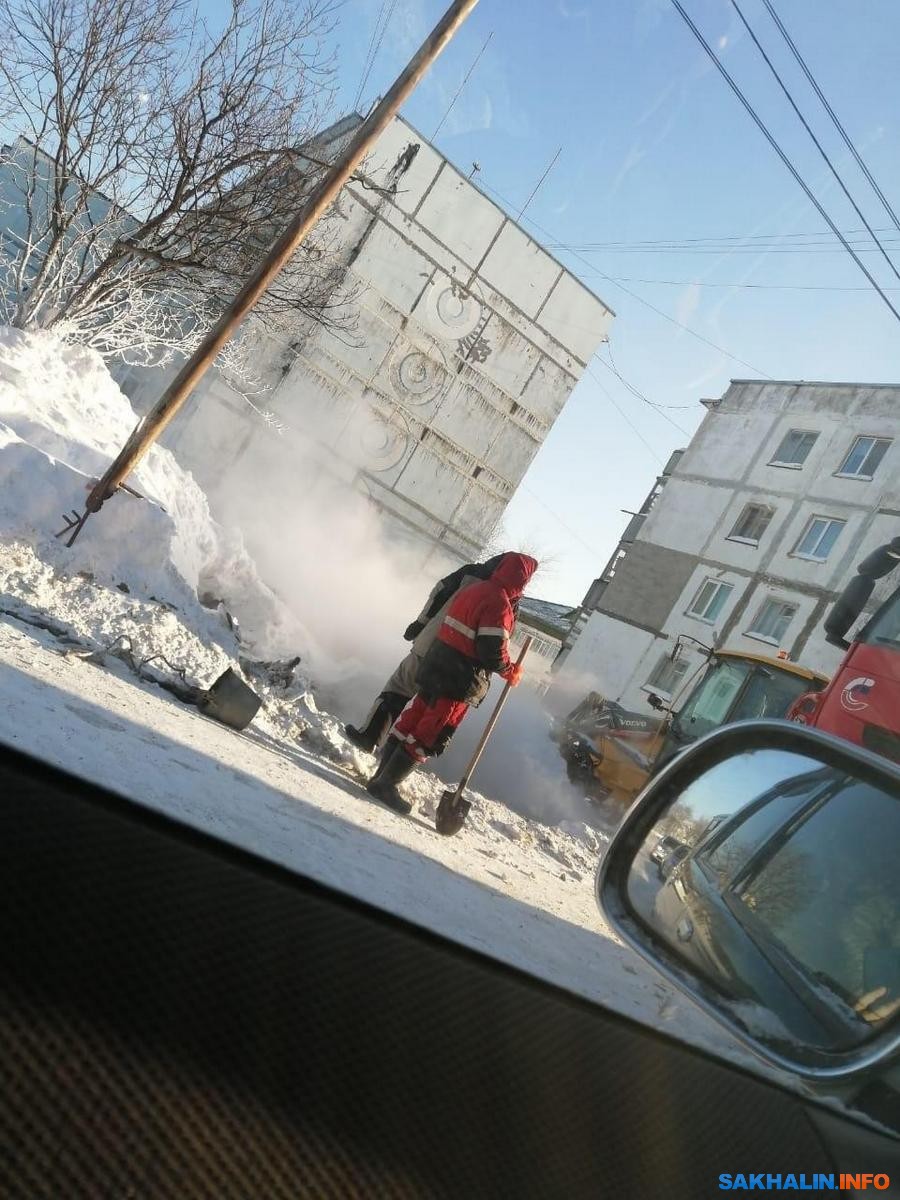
(460,217)
(511,360)
(646,584)
(786,563)
(547,390)
(448,386)
(521,270)
(604,658)
(395,269)
(687,516)
(469,421)
(570,314)
(819,473)
(419,175)
(725,448)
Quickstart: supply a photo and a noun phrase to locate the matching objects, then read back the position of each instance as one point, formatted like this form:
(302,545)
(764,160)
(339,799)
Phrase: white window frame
(763,637)
(658,689)
(741,538)
(774,461)
(860,437)
(719,585)
(807,529)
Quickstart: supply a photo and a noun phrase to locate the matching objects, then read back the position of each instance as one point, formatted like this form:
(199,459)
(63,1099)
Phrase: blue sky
(655,147)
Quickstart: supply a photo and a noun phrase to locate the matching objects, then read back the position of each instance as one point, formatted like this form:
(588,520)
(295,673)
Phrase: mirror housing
(718,942)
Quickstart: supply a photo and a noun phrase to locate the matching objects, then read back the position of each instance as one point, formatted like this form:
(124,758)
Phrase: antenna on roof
(476,167)
(461,86)
(537,186)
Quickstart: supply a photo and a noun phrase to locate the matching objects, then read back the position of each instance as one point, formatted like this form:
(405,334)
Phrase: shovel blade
(451,813)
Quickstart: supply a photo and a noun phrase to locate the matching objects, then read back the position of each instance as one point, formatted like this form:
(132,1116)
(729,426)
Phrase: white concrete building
(470,339)
(747,538)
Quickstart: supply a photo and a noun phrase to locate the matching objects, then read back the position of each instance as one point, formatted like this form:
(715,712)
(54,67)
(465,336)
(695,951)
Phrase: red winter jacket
(473,640)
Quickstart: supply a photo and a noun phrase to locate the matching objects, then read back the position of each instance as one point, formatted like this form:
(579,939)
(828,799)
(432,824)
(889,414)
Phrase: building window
(541,646)
(794,449)
(818,539)
(667,676)
(864,458)
(751,524)
(772,621)
(710,600)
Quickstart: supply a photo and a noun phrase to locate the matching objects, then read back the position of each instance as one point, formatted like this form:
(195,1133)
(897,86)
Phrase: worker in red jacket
(471,644)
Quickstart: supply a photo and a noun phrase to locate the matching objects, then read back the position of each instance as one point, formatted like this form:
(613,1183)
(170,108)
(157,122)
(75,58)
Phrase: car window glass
(768,695)
(837,912)
(731,851)
(709,707)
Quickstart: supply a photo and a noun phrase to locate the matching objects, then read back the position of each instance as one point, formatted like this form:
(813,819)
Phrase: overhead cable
(720,67)
(832,168)
(848,142)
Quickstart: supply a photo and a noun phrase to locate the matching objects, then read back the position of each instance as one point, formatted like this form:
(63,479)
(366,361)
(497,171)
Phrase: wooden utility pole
(322,197)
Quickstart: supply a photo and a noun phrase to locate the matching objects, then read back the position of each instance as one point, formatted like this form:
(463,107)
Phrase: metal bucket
(230,701)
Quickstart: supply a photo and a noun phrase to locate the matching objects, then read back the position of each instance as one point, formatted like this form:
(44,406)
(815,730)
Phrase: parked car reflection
(790,904)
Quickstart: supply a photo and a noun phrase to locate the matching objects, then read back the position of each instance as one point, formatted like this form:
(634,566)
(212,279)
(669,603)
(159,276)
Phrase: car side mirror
(758,873)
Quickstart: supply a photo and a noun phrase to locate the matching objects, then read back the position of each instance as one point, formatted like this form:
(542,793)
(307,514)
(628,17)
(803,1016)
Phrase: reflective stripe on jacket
(473,640)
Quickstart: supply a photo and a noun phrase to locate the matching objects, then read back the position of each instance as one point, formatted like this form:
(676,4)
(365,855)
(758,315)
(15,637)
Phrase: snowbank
(62,421)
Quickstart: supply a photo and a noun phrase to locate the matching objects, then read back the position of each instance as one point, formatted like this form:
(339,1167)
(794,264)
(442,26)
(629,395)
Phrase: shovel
(453,809)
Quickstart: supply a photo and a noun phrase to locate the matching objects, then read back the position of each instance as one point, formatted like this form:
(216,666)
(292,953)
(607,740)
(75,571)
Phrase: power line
(634,295)
(822,239)
(374,47)
(631,425)
(816,142)
(561,520)
(766,287)
(840,128)
(638,395)
(719,251)
(781,154)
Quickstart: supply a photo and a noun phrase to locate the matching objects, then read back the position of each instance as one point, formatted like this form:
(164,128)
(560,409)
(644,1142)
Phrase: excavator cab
(736,687)
(613,752)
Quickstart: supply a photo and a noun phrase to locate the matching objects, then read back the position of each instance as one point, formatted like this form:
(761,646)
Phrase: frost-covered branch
(160,156)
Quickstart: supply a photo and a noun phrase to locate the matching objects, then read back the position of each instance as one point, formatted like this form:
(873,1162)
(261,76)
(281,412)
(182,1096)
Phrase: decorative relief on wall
(418,377)
(382,442)
(450,310)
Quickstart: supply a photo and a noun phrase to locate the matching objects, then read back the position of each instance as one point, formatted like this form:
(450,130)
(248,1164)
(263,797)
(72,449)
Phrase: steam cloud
(353,585)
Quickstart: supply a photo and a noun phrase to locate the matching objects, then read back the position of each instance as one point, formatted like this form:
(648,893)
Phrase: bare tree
(158,158)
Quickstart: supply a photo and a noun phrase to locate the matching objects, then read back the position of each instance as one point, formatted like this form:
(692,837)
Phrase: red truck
(862,701)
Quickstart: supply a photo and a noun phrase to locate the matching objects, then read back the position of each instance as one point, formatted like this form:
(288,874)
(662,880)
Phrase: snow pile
(62,421)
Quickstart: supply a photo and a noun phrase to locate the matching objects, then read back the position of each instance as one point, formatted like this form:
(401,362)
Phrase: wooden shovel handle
(489,728)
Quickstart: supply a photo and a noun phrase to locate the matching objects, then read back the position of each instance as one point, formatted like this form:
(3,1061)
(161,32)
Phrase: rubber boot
(396,766)
(389,747)
(376,727)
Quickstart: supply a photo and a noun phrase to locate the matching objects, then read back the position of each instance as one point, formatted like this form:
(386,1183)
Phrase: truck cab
(861,702)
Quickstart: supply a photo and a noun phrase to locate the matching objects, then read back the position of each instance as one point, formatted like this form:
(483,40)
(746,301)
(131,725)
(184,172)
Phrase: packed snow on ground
(88,634)
(503,887)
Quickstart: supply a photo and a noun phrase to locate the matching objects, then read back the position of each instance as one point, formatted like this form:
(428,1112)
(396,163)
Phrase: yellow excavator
(612,752)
